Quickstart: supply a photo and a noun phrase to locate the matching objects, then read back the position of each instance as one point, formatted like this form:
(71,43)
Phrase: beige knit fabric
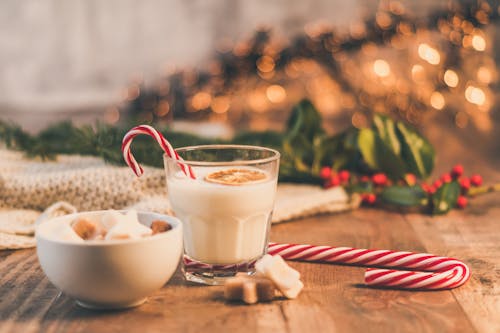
(27,187)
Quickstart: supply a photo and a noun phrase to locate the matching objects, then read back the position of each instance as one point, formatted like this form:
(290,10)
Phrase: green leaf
(268,139)
(300,151)
(386,129)
(378,155)
(416,151)
(305,120)
(363,187)
(445,197)
(406,196)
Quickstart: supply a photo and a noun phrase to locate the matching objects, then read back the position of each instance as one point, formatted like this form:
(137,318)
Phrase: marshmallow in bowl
(110,218)
(110,225)
(128,227)
(67,233)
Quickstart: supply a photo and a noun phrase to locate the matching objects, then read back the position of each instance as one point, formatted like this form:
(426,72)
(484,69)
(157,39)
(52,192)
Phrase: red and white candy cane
(435,272)
(160,139)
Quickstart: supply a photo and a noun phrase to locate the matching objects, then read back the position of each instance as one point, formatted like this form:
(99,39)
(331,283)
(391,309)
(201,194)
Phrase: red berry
(446,178)
(428,188)
(332,181)
(461,201)
(365,179)
(379,179)
(438,183)
(465,184)
(344,176)
(410,179)
(457,171)
(476,180)
(325,172)
(369,198)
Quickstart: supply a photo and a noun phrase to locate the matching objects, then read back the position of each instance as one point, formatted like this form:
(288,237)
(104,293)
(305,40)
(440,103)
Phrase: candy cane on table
(436,272)
(160,139)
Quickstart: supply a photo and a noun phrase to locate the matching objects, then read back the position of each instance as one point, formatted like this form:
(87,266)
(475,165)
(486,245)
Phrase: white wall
(64,55)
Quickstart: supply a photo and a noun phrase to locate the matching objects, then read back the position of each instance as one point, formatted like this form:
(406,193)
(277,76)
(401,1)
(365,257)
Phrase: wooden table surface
(334,298)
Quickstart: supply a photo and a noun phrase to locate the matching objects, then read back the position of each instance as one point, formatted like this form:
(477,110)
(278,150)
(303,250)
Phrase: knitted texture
(29,186)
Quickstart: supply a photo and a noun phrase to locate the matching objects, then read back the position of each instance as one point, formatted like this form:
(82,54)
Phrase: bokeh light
(381,68)
(475,95)
(276,93)
(437,100)
(201,100)
(429,54)
(478,43)
(451,78)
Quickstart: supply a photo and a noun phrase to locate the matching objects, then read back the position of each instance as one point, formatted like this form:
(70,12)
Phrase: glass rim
(276,155)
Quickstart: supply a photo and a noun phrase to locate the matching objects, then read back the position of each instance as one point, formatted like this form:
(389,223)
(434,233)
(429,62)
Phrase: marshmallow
(285,278)
(110,218)
(87,229)
(160,226)
(67,233)
(128,227)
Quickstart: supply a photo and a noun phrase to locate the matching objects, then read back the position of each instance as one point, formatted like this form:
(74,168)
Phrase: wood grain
(334,298)
(475,239)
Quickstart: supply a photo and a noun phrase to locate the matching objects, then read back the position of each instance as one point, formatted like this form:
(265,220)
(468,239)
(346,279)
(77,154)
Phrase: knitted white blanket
(27,187)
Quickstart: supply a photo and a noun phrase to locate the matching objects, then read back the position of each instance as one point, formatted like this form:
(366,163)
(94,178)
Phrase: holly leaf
(305,121)
(386,129)
(445,198)
(378,155)
(416,151)
(406,196)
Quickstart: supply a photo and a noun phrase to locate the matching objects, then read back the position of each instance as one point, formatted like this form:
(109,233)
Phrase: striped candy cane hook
(160,139)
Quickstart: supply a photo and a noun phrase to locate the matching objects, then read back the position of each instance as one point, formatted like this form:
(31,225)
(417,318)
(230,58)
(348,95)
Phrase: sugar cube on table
(286,279)
(249,289)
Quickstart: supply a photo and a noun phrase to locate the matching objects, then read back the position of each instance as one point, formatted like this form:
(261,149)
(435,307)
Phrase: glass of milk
(225,210)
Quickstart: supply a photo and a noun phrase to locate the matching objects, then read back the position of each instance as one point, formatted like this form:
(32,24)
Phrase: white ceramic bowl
(109,274)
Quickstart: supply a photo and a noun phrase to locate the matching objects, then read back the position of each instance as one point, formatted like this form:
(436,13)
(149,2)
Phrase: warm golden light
(265,64)
(437,100)
(429,54)
(450,78)
(381,68)
(357,30)
(132,92)
(417,72)
(461,119)
(484,75)
(475,95)
(478,43)
(163,108)
(359,120)
(201,100)
(220,104)
(112,115)
(257,101)
(383,20)
(276,93)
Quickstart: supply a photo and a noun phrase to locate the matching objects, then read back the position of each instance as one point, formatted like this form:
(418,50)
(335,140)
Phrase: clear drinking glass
(225,210)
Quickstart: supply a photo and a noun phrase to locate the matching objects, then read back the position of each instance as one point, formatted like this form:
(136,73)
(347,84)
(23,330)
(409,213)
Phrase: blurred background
(231,65)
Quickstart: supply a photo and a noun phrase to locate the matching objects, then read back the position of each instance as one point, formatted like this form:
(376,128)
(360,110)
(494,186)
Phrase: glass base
(214,275)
